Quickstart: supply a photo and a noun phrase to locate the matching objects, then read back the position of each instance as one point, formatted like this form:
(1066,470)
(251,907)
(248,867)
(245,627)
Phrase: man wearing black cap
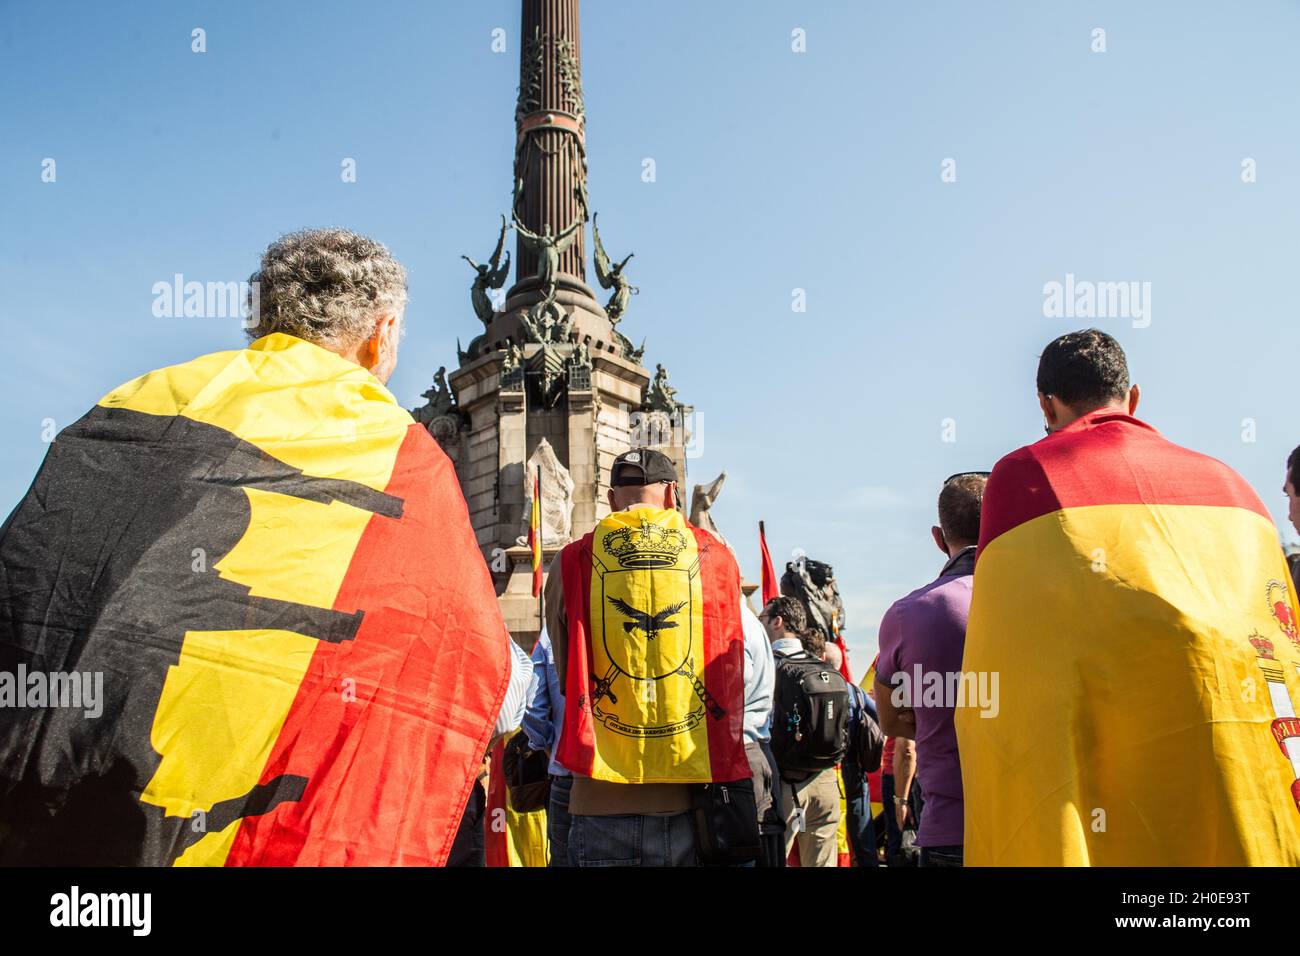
(647,636)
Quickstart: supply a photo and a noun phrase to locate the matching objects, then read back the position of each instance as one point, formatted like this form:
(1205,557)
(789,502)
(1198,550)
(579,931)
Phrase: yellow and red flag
(771,586)
(535,532)
(655,671)
(511,838)
(1133,601)
(273,569)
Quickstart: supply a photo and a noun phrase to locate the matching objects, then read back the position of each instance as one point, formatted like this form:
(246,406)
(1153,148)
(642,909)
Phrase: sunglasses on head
(964,474)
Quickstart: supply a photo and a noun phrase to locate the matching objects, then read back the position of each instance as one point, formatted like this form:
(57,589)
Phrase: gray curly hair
(325,286)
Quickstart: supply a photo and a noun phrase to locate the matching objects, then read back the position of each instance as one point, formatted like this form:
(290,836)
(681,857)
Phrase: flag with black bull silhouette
(273,568)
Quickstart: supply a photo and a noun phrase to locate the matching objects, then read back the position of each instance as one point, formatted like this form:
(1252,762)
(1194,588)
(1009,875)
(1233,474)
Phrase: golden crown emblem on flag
(1263,646)
(650,546)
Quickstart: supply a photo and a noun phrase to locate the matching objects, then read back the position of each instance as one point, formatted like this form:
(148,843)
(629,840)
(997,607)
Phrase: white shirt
(516,700)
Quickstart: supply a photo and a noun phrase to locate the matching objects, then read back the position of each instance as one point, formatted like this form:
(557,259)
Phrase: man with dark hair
(784,617)
(810,802)
(1126,591)
(922,635)
(1082,371)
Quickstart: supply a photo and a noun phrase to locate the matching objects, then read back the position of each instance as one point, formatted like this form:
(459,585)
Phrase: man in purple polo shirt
(921,641)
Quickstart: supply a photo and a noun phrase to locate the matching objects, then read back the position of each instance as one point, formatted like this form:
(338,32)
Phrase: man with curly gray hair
(273,562)
(335,289)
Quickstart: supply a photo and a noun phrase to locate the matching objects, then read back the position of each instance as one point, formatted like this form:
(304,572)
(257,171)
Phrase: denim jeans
(558,821)
(860,825)
(632,840)
(941,855)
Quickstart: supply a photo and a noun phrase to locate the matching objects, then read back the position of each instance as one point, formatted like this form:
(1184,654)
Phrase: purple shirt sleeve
(890,638)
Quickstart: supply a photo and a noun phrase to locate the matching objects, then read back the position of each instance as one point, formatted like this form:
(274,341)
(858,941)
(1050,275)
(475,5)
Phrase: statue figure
(557,497)
(438,399)
(547,321)
(513,361)
(562,331)
(813,584)
(548,248)
(581,357)
(611,277)
(702,498)
(660,395)
(531,331)
(489,276)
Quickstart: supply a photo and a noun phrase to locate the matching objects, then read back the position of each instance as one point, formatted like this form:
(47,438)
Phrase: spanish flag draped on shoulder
(655,670)
(1133,597)
(273,569)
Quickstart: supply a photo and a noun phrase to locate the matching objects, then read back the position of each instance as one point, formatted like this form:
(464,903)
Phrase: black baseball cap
(641,466)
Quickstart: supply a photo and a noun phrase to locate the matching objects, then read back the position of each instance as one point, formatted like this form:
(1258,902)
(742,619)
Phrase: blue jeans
(941,855)
(860,824)
(632,840)
(558,821)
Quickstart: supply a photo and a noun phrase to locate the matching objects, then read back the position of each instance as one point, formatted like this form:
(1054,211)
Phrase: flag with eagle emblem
(655,669)
(272,567)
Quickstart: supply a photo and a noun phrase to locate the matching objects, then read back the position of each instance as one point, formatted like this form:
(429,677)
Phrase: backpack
(810,717)
(528,782)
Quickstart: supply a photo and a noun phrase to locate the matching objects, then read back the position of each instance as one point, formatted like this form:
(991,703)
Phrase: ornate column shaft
(550,145)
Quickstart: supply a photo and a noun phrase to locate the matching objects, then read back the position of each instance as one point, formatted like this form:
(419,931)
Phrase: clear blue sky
(775,171)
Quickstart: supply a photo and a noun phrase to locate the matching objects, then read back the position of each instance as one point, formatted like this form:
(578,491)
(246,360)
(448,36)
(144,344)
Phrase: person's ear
(1134,395)
(1049,410)
(670,496)
(939,539)
(609,495)
(380,349)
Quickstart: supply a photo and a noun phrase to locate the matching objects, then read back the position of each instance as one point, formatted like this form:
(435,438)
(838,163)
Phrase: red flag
(771,589)
(535,532)
(496,841)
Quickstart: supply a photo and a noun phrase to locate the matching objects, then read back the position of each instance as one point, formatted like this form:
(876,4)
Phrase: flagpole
(541,551)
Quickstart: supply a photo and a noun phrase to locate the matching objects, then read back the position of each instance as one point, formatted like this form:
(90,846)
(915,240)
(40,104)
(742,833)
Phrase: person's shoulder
(170,389)
(891,629)
(907,605)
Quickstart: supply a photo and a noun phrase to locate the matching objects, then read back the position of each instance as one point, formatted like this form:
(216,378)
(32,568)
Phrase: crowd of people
(807,766)
(272,569)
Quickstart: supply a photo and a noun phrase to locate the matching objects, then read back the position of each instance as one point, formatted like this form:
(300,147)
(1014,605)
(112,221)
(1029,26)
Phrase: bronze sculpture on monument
(489,276)
(611,277)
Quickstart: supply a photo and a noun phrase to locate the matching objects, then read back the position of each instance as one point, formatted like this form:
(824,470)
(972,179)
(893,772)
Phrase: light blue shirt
(544,717)
(760,677)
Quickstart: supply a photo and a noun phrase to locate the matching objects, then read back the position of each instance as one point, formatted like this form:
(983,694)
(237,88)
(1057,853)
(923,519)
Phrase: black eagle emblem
(646,622)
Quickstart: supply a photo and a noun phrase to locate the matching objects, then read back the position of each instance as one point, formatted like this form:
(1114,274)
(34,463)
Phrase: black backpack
(528,781)
(810,717)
